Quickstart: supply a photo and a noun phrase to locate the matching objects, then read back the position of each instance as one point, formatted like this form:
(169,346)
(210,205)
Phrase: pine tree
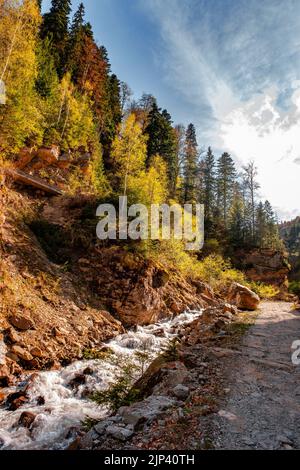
(226,177)
(162,141)
(209,189)
(251,186)
(56,27)
(237,219)
(190,165)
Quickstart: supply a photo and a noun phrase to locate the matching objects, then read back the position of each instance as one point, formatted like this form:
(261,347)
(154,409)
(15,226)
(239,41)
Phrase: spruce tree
(209,186)
(190,165)
(55,26)
(226,177)
(162,141)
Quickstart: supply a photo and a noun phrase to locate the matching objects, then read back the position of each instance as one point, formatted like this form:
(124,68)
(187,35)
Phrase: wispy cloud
(237,64)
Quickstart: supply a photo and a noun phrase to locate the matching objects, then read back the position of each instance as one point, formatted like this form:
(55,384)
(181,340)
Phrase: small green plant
(120,393)
(94,354)
(171,350)
(88,423)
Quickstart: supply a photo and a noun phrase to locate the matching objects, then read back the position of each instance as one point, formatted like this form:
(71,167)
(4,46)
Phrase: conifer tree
(56,27)
(209,188)
(226,177)
(190,165)
(162,141)
(251,186)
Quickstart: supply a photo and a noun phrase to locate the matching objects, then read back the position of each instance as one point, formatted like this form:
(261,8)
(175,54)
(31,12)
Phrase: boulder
(16,400)
(26,419)
(21,353)
(119,433)
(242,297)
(21,322)
(145,411)
(48,154)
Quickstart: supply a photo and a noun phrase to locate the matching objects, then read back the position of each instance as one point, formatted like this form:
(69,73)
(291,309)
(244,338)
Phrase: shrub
(294,288)
(265,291)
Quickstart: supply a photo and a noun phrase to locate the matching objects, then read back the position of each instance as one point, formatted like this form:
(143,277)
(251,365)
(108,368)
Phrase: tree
(190,164)
(56,27)
(125,95)
(236,227)
(209,188)
(129,152)
(251,185)
(20,117)
(226,177)
(162,141)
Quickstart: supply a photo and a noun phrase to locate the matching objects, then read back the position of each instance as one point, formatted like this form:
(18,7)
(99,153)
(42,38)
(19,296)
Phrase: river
(66,407)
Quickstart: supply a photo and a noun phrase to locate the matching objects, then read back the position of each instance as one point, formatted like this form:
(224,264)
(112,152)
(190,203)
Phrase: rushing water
(66,407)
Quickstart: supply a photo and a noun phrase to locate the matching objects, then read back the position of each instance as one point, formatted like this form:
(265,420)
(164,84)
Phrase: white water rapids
(66,407)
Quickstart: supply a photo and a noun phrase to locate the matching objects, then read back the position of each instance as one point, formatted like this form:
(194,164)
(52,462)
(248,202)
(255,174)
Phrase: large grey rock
(117,432)
(145,411)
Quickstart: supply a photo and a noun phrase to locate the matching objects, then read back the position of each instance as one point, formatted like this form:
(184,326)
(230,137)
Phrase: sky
(232,67)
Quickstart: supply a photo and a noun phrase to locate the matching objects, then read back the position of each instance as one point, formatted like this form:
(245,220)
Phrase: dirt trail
(262,407)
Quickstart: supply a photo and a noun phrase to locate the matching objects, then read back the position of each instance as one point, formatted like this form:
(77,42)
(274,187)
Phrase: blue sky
(230,66)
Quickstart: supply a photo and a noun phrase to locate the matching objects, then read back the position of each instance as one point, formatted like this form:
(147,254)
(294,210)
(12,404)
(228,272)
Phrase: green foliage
(120,393)
(264,291)
(294,288)
(190,165)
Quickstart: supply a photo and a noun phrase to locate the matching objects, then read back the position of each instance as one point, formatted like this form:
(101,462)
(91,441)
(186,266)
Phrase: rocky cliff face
(290,234)
(62,295)
(267,266)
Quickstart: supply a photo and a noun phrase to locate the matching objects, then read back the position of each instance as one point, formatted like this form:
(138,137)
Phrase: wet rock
(119,433)
(2,398)
(21,322)
(242,297)
(79,379)
(18,402)
(21,353)
(40,401)
(5,376)
(26,419)
(181,392)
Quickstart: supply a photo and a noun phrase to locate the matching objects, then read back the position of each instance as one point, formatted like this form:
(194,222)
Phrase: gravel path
(262,407)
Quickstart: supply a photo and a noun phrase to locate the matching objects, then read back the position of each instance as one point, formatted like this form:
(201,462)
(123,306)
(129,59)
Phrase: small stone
(100,428)
(13,336)
(88,371)
(21,322)
(181,392)
(36,352)
(26,419)
(79,379)
(21,353)
(40,401)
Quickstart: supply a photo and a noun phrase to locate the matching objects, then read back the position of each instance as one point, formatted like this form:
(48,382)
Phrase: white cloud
(258,130)
(234,77)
